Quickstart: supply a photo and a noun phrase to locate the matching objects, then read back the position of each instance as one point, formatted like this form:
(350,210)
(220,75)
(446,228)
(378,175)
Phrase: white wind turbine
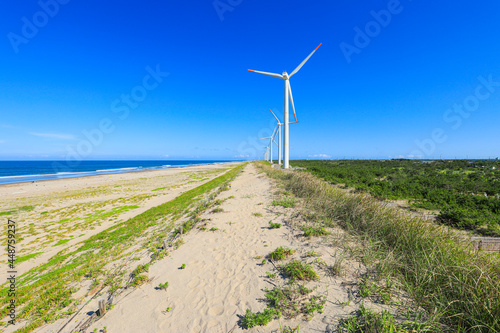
(266,154)
(271,139)
(279,135)
(288,96)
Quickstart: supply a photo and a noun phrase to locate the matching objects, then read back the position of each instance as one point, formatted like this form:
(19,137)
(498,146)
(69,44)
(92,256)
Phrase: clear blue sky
(398,91)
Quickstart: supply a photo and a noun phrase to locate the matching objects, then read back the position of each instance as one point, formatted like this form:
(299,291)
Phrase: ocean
(29,171)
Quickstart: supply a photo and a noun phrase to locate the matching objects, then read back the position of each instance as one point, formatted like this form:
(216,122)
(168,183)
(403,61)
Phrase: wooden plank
(102,307)
(490,244)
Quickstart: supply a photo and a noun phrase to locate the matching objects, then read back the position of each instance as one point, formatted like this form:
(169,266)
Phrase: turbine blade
(275,133)
(275,116)
(291,99)
(279,76)
(305,60)
(265,138)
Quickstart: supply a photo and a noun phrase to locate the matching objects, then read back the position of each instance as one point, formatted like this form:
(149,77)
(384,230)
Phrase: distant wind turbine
(288,96)
(279,135)
(271,139)
(266,154)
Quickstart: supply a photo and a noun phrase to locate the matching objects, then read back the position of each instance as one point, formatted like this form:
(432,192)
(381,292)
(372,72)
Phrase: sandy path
(221,278)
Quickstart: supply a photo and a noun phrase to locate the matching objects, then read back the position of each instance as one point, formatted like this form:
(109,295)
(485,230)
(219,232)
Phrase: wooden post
(102,307)
(164,244)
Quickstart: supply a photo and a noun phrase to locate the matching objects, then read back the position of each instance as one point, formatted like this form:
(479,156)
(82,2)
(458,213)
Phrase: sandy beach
(220,269)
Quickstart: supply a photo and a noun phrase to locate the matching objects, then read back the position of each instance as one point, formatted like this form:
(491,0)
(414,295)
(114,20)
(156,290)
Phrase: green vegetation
(45,290)
(297,270)
(183,266)
(366,320)
(163,286)
(257,214)
(281,253)
(160,188)
(336,267)
(273,225)
(258,319)
(17,210)
(61,242)
(312,254)
(456,188)
(286,202)
(8,212)
(457,286)
(138,280)
(26,257)
(289,301)
(313,231)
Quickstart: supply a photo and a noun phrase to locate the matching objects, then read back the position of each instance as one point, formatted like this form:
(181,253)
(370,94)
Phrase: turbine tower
(271,139)
(288,97)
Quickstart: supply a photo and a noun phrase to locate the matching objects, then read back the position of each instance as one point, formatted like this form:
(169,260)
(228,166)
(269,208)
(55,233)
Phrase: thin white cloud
(165,155)
(2,141)
(58,136)
(320,156)
(242,156)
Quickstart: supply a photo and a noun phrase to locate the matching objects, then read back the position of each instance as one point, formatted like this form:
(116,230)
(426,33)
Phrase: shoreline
(103,173)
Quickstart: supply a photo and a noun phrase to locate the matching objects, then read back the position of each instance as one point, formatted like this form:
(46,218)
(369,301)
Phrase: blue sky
(391,79)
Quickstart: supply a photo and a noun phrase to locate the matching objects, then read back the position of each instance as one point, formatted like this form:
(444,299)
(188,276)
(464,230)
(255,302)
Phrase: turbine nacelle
(285,76)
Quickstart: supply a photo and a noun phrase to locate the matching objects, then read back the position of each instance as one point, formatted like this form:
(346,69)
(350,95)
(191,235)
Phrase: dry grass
(459,286)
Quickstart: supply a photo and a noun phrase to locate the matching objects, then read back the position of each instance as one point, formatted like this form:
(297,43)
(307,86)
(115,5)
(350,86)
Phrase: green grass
(138,280)
(163,286)
(46,289)
(366,320)
(61,242)
(297,270)
(313,231)
(286,202)
(281,253)
(459,286)
(8,212)
(289,301)
(258,319)
(17,210)
(160,188)
(27,257)
(274,225)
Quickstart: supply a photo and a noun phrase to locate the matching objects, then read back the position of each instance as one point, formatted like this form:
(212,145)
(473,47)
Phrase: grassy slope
(460,286)
(455,188)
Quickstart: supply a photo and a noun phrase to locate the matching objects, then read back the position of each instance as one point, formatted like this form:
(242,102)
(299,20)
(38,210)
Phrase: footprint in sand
(215,310)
